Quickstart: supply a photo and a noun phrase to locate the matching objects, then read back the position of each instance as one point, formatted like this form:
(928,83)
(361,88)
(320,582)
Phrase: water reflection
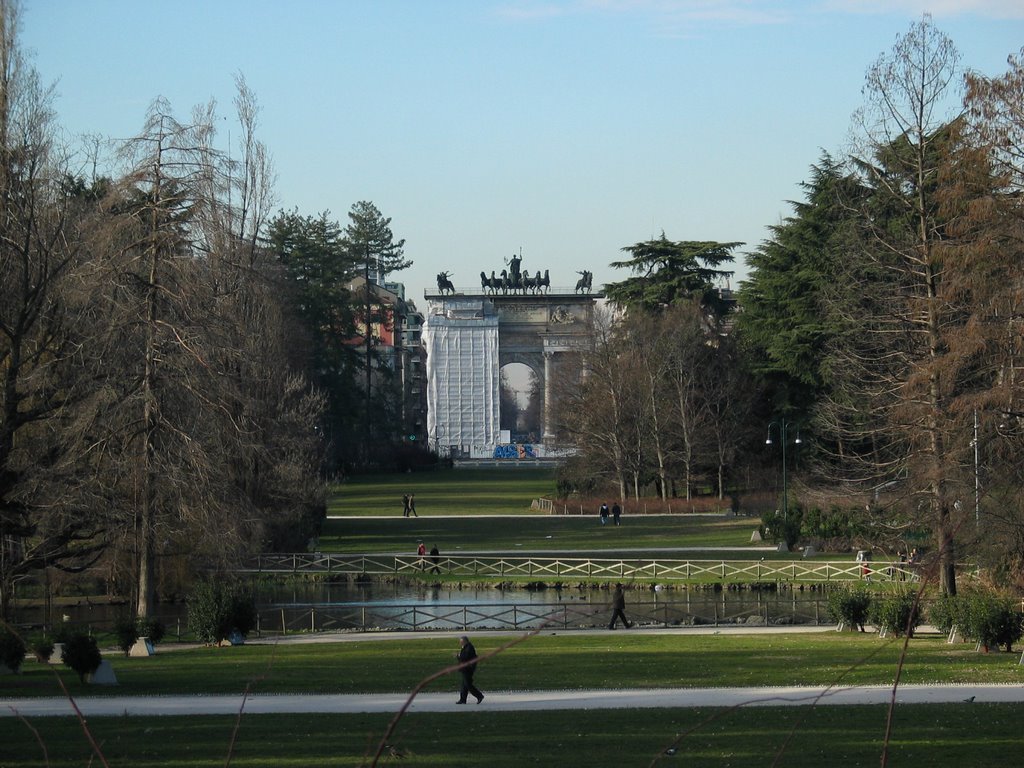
(318,606)
(397,606)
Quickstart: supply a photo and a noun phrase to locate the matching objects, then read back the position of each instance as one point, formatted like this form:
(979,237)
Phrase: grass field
(936,736)
(558,661)
(976,735)
(537,534)
(444,492)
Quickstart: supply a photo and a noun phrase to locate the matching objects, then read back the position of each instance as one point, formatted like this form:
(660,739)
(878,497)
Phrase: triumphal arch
(471,333)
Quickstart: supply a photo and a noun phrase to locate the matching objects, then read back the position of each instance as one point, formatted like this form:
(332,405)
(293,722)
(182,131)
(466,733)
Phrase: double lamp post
(782,427)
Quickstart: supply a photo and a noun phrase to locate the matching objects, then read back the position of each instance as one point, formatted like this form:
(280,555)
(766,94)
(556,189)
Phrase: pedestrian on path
(405,505)
(435,556)
(604,513)
(412,505)
(421,551)
(467,653)
(619,608)
(616,512)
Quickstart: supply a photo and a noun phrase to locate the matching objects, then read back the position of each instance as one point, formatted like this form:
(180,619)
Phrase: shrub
(897,613)
(850,606)
(785,528)
(126,633)
(82,654)
(993,622)
(151,628)
(42,648)
(947,612)
(12,649)
(217,607)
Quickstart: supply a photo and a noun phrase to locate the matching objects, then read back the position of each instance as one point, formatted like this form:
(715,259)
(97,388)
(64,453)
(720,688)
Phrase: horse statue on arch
(585,282)
(444,284)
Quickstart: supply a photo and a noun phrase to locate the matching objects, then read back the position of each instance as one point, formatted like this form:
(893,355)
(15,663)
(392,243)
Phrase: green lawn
(571,661)
(547,533)
(936,736)
(444,492)
(975,735)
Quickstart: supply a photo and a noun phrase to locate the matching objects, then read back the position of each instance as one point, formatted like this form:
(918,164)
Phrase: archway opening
(520,403)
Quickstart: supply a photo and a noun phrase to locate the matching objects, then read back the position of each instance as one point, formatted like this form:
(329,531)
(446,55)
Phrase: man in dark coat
(467,653)
(619,608)
(616,512)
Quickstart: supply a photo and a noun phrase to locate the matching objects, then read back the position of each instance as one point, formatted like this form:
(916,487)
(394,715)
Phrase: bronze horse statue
(584,283)
(444,284)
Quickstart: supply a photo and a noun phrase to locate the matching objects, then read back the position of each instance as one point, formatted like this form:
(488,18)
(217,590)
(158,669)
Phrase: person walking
(412,505)
(619,608)
(604,513)
(435,556)
(467,653)
(616,512)
(405,505)
(421,552)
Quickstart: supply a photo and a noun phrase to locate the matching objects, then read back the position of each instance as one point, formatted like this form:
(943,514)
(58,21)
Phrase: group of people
(409,505)
(616,512)
(435,557)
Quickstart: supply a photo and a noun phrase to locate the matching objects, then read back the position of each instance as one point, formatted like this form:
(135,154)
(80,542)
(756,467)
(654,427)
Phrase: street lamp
(783,428)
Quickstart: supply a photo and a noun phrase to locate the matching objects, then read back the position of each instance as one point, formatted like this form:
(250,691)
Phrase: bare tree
(598,411)
(209,432)
(899,373)
(687,357)
(50,514)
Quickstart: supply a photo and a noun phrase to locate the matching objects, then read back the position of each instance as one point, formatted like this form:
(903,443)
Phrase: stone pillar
(549,434)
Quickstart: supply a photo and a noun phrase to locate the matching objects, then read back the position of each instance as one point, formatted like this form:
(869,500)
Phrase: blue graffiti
(515,451)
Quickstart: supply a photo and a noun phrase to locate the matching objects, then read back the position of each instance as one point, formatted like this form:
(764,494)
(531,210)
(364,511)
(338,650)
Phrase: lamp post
(783,429)
(977,477)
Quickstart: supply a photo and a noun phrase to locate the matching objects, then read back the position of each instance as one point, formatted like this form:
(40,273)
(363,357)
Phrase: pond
(298,606)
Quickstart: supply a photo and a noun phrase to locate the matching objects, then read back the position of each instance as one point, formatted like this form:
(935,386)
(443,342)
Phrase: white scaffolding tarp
(462,377)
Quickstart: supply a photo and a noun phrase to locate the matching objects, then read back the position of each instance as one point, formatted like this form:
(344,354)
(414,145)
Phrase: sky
(561,130)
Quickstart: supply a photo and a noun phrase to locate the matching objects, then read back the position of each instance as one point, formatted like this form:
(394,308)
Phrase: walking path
(507,701)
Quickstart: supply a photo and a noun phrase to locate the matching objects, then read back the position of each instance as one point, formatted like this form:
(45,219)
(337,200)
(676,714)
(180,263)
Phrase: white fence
(808,571)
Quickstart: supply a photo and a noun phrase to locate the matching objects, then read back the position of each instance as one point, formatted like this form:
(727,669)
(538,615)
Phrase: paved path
(506,701)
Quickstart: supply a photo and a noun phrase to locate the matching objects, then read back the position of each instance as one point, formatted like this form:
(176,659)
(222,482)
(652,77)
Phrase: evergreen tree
(667,272)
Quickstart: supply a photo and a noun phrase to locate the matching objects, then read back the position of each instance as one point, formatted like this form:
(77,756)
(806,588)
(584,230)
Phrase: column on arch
(548,431)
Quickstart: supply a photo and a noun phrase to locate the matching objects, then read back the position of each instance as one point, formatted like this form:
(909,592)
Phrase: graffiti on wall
(515,451)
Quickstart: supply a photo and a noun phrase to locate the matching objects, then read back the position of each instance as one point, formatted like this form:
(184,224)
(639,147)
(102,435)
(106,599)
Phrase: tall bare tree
(898,371)
(50,513)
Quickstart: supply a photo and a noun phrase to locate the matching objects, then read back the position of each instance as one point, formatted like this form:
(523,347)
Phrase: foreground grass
(444,492)
(547,661)
(939,736)
(538,534)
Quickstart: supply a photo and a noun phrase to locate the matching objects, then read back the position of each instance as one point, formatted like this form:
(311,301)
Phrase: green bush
(42,648)
(850,606)
(897,613)
(947,612)
(126,633)
(993,621)
(785,528)
(12,649)
(151,628)
(82,654)
(217,607)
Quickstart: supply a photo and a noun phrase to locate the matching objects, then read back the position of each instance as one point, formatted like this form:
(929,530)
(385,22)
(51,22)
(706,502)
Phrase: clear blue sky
(564,128)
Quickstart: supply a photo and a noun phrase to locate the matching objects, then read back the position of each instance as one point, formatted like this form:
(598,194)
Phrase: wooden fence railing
(536,566)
